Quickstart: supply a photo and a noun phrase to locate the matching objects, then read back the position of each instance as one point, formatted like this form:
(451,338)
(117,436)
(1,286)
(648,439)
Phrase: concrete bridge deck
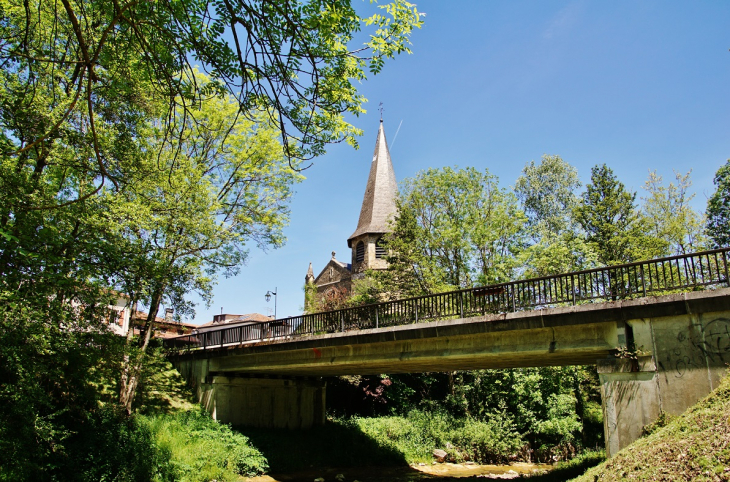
(572,335)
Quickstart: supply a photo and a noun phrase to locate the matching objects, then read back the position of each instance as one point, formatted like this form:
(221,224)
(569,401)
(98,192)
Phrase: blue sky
(638,85)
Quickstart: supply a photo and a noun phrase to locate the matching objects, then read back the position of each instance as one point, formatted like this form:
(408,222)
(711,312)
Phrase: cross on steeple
(381,111)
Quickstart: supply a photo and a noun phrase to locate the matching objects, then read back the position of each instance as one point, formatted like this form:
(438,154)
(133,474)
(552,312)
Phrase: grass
(195,447)
(200,449)
(692,446)
(569,469)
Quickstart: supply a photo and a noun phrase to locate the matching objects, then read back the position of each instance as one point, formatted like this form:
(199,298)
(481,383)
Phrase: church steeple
(378,207)
(309,278)
(378,204)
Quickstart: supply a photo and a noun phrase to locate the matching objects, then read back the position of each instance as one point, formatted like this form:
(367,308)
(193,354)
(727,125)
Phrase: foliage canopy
(455,228)
(718,208)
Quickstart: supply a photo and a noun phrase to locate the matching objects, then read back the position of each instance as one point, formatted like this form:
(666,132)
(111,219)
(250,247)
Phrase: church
(378,208)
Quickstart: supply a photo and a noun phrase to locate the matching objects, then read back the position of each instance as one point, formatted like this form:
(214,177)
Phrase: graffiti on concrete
(715,342)
(701,345)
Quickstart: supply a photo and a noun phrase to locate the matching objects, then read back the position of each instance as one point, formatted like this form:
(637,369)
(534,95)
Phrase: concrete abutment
(292,403)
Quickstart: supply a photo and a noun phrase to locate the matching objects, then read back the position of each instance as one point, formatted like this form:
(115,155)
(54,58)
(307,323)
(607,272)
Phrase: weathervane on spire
(381,111)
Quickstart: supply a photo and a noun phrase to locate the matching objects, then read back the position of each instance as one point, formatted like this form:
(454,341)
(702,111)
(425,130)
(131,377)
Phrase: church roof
(378,204)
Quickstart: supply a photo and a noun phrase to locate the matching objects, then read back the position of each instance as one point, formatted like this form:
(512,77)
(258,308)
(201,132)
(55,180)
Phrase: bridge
(658,331)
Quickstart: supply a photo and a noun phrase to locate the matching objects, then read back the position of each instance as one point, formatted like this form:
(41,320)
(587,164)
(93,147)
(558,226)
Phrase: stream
(416,473)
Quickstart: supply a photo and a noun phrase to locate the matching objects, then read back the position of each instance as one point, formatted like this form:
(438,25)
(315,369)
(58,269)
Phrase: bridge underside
(559,336)
(685,339)
(439,346)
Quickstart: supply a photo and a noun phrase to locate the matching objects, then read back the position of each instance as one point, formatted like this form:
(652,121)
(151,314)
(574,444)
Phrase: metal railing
(658,276)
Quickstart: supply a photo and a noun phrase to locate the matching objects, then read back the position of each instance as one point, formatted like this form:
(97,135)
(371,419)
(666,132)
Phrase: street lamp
(268,298)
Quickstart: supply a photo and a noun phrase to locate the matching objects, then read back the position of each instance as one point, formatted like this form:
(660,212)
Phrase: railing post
(572,288)
(512,294)
(461,304)
(643,279)
(724,260)
(415,302)
(342,322)
(205,341)
(376,316)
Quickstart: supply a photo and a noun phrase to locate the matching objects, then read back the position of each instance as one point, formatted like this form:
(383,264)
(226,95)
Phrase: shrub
(114,447)
(201,449)
(484,442)
(105,445)
(419,433)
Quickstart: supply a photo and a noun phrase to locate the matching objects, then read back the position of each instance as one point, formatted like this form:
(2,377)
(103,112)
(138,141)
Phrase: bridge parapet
(694,271)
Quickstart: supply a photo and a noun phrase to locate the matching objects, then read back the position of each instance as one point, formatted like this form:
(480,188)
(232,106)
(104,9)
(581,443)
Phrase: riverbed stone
(440,455)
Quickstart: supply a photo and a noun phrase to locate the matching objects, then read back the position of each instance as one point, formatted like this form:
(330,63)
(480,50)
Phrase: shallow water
(435,472)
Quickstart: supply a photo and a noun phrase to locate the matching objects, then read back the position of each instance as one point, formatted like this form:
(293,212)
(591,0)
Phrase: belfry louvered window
(380,248)
(360,252)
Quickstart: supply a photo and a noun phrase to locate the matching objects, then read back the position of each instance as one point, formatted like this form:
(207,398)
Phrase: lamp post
(268,298)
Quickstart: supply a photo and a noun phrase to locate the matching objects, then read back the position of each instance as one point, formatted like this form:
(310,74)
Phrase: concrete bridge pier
(630,399)
(263,402)
(678,359)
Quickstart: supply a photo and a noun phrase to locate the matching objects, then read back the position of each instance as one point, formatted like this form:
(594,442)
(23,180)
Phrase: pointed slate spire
(309,278)
(378,204)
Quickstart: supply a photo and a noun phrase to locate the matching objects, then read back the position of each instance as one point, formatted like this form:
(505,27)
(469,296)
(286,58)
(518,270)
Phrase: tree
(547,191)
(544,404)
(115,172)
(454,229)
(718,209)
(82,81)
(97,60)
(614,227)
(670,216)
(217,189)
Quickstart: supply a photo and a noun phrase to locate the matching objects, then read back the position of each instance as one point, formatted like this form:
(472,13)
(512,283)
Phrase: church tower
(378,208)
(334,282)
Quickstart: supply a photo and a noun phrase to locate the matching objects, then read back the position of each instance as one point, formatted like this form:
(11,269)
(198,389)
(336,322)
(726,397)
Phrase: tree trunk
(132,365)
(579,406)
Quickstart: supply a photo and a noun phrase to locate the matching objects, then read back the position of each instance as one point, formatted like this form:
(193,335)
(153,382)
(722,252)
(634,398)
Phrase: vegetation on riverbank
(387,441)
(567,469)
(391,441)
(692,446)
(169,438)
(555,410)
(417,434)
(197,448)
